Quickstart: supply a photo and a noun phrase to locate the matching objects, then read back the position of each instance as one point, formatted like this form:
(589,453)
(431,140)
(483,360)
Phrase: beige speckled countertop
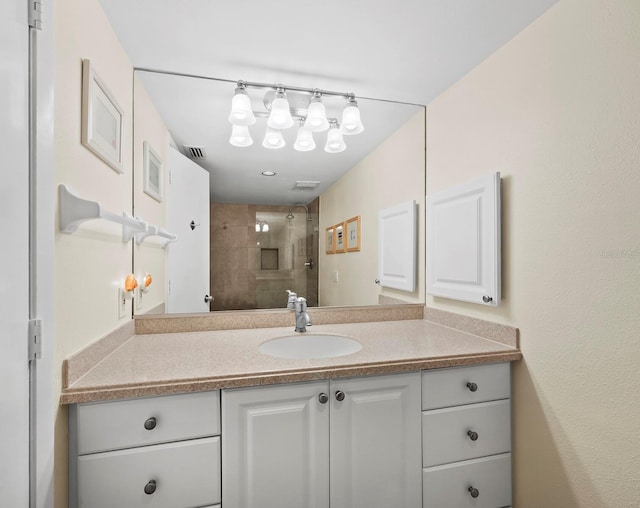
(167,363)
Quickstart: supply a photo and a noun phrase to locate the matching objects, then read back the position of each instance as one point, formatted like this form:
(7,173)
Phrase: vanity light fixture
(317,116)
(240,136)
(241,112)
(351,123)
(262,226)
(335,141)
(304,139)
(303,104)
(273,139)
(280,117)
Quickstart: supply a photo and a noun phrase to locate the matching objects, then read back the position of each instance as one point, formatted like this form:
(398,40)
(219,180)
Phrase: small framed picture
(152,173)
(101,119)
(340,240)
(353,234)
(330,244)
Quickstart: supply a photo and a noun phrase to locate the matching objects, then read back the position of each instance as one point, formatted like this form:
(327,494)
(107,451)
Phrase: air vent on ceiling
(195,152)
(306,184)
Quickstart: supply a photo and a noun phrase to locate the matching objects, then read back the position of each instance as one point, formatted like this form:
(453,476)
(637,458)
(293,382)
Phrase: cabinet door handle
(472,387)
(473,492)
(323,398)
(339,396)
(472,435)
(150,423)
(150,487)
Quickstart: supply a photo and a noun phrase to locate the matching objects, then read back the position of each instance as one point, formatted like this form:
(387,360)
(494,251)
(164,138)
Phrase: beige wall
(557,111)
(372,185)
(150,256)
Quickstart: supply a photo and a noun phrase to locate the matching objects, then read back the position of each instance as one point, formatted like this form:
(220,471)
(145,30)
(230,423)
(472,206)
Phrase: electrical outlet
(122,304)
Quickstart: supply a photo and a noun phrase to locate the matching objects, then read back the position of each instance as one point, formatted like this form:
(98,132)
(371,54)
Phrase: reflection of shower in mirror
(290,215)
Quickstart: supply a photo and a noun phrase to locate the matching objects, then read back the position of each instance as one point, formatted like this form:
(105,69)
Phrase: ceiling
(396,50)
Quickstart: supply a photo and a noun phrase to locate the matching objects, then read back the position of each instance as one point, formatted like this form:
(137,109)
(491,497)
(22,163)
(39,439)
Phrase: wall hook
(193,225)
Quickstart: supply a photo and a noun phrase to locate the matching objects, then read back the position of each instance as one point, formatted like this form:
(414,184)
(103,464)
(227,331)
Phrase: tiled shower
(257,254)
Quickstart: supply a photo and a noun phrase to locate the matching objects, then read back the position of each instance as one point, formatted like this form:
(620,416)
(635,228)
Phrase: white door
(275,450)
(376,457)
(14,254)
(187,217)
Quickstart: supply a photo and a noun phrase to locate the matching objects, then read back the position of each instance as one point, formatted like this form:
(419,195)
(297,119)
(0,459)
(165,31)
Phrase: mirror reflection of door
(188,258)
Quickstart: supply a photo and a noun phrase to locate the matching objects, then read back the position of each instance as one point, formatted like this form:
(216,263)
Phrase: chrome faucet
(291,302)
(302,317)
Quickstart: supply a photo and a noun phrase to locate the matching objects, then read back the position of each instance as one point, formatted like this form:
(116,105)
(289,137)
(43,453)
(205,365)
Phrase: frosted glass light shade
(335,143)
(304,140)
(280,116)
(240,136)
(351,123)
(241,113)
(273,139)
(316,117)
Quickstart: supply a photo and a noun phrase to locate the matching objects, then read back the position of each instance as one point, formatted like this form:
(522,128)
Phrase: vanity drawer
(123,424)
(450,486)
(465,432)
(465,385)
(186,474)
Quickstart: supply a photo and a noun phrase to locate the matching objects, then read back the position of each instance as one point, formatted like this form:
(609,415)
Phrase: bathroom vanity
(409,421)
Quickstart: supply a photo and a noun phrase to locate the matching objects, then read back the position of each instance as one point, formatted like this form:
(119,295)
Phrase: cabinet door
(463,242)
(375,442)
(275,450)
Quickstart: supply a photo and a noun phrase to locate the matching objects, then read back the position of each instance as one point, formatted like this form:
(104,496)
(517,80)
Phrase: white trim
(45,238)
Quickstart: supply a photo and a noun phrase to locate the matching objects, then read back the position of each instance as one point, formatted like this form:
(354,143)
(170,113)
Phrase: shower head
(306,210)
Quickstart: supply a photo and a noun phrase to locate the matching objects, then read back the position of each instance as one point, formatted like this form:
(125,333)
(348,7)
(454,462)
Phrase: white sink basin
(309,346)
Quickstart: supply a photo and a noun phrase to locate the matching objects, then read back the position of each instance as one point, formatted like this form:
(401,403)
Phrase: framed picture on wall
(353,234)
(101,119)
(330,245)
(152,183)
(340,240)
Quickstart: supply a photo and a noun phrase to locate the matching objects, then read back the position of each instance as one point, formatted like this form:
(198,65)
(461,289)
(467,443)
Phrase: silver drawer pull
(323,398)
(472,387)
(150,423)
(150,487)
(472,435)
(473,492)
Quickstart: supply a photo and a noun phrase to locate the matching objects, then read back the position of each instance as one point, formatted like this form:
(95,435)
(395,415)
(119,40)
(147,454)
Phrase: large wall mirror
(254,222)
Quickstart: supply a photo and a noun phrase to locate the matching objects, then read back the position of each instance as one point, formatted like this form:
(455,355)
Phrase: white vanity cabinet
(285,445)
(466,437)
(432,439)
(157,452)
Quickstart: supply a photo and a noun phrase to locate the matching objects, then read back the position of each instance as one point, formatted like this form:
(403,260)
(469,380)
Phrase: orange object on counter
(146,282)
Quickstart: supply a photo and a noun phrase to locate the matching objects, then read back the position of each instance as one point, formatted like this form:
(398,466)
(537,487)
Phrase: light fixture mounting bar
(310,91)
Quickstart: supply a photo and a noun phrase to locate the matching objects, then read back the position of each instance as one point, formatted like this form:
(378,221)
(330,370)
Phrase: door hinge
(35,14)
(35,339)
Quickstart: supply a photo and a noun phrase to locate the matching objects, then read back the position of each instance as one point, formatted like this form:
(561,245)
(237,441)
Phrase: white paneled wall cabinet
(433,439)
(464,242)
